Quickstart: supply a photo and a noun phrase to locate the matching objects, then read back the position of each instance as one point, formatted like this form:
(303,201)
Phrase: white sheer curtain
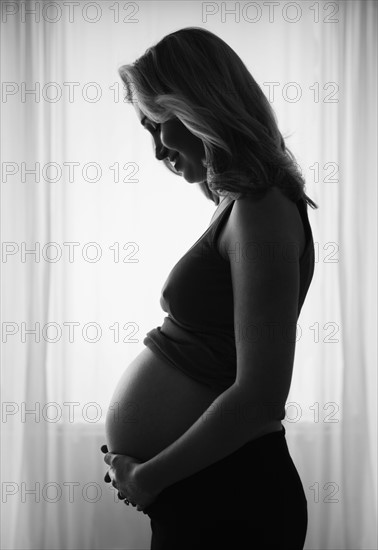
(90,297)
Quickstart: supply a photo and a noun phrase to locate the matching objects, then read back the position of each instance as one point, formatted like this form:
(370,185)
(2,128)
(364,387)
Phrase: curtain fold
(57,382)
(357,199)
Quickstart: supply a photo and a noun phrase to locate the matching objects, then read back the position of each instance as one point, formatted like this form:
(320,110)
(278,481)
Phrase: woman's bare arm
(263,247)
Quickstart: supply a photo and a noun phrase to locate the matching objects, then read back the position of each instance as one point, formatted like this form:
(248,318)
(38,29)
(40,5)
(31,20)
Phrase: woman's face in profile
(173,140)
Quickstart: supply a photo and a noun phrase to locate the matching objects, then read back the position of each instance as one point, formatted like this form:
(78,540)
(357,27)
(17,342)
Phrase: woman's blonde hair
(194,75)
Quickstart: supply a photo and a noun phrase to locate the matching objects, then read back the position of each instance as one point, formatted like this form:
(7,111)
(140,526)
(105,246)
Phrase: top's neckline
(299,204)
(223,202)
(211,225)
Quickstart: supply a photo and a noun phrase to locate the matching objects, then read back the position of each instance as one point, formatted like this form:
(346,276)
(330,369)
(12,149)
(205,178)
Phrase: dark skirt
(252,499)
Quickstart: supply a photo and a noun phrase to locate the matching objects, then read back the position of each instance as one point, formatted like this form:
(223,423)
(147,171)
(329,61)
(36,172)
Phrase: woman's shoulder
(269,197)
(271,217)
(271,210)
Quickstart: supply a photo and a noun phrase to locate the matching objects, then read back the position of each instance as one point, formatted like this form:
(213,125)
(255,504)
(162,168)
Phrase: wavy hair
(194,75)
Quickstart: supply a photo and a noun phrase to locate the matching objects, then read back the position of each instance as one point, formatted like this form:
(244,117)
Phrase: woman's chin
(192,176)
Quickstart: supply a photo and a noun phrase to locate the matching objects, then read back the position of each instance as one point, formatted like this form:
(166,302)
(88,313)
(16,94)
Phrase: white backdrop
(90,297)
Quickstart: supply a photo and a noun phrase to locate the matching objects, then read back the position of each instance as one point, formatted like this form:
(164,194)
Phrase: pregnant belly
(153,405)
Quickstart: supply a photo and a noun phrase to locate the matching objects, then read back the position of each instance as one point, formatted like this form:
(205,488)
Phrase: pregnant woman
(194,432)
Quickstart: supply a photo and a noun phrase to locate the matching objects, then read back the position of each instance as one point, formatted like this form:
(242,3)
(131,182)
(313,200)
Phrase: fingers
(111,458)
(127,502)
(104,449)
(107,459)
(114,484)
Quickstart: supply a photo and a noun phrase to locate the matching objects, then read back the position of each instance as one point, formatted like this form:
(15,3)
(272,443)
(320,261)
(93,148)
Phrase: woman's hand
(123,474)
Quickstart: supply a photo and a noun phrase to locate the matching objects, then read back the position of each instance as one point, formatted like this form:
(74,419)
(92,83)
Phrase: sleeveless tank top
(197,336)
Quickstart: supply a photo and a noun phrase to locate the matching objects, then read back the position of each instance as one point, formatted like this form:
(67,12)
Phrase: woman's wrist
(145,480)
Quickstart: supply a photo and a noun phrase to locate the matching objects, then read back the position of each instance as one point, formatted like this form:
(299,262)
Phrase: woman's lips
(177,162)
(174,160)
